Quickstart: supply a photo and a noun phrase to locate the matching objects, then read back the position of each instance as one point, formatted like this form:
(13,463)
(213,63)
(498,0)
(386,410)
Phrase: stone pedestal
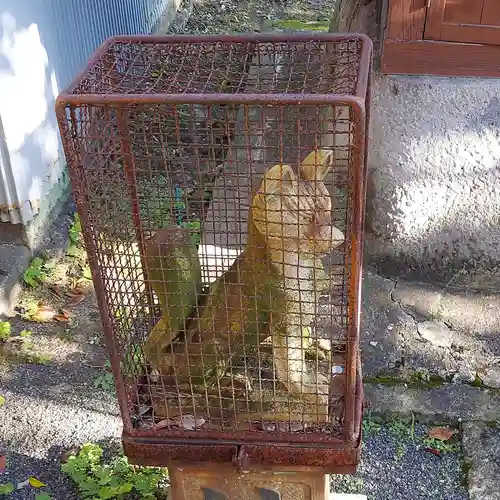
(224,482)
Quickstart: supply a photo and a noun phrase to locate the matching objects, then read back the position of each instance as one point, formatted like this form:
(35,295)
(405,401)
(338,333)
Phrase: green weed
(43,496)
(5,330)
(134,360)
(114,479)
(106,381)
(6,489)
(399,430)
(441,446)
(36,273)
(370,426)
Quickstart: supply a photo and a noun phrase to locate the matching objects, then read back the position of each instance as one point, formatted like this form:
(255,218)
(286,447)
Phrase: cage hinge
(241,460)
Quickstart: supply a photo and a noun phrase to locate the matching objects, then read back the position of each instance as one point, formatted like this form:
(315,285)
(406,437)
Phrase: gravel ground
(395,466)
(48,382)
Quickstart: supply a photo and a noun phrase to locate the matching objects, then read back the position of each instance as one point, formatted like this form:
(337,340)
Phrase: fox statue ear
(280,178)
(316,165)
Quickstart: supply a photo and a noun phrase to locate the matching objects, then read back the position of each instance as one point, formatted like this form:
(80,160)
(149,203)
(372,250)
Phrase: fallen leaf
(433,451)
(63,317)
(442,433)
(3,463)
(2,400)
(80,290)
(143,409)
(55,290)
(163,423)
(43,314)
(35,482)
(77,299)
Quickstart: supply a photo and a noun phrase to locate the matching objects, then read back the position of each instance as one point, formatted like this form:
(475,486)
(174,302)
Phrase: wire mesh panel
(220,182)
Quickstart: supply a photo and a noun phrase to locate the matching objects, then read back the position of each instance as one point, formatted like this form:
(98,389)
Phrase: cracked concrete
(415,328)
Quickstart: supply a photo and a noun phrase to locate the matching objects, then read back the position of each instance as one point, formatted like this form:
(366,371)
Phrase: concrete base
(434,190)
(347,496)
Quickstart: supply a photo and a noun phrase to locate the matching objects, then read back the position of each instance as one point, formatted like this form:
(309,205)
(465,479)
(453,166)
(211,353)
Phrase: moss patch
(465,472)
(415,380)
(297,24)
(477,382)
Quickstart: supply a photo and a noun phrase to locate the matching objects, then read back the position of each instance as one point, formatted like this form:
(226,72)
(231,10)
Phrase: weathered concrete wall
(434,164)
(435,169)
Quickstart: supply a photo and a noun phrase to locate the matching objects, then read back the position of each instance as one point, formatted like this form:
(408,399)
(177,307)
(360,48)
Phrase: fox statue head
(297,209)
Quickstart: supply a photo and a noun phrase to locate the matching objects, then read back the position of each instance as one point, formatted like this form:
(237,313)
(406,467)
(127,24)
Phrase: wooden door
(468,21)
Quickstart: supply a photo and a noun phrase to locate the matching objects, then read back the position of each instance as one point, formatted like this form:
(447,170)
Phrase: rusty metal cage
(202,170)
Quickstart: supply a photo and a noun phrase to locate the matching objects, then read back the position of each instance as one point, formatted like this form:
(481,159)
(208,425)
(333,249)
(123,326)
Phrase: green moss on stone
(465,472)
(415,380)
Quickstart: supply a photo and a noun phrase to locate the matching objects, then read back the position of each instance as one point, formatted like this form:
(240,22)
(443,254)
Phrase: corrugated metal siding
(84,24)
(69,31)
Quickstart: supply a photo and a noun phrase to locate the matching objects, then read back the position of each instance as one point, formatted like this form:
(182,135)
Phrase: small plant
(6,489)
(399,430)
(43,496)
(86,272)
(194,227)
(75,231)
(439,445)
(2,400)
(401,433)
(36,273)
(370,426)
(400,451)
(106,381)
(134,360)
(41,359)
(5,330)
(26,333)
(115,479)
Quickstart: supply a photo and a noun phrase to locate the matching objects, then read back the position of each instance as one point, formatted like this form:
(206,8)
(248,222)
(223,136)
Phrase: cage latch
(241,459)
